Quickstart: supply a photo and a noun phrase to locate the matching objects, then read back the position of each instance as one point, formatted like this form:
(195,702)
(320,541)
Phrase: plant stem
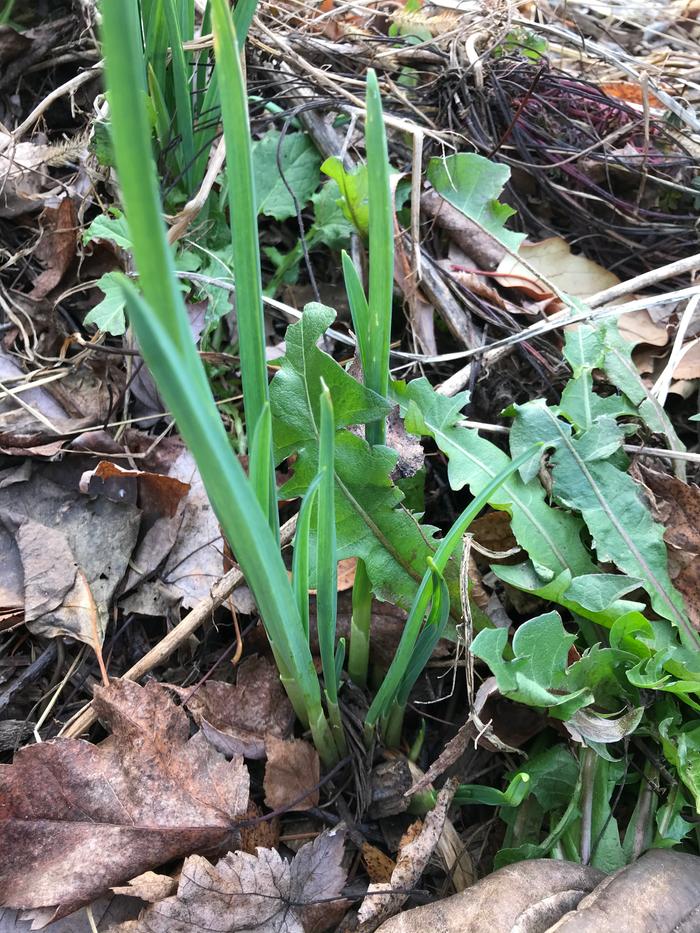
(243,213)
(589,762)
(360,626)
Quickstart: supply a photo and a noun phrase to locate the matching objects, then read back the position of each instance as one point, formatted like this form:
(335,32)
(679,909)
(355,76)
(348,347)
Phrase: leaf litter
(138,542)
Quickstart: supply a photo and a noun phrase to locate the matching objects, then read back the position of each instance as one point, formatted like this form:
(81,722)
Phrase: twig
(177,637)
(182,220)
(653,277)
(69,87)
(499,348)
(663,383)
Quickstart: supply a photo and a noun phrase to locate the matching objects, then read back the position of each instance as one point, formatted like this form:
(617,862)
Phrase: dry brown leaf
(689,364)
(106,911)
(244,893)
(80,819)
(346,573)
(150,887)
(383,900)
(154,493)
(64,554)
(189,550)
(40,411)
(237,719)
(25,170)
(258,831)
(292,768)
(640,327)
(552,258)
(677,506)
(378,864)
(56,247)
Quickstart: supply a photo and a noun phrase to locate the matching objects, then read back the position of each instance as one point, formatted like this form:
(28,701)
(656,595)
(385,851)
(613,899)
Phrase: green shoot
(381,252)
(160,322)
(372,323)
(300,560)
(389,689)
(183,98)
(244,230)
(327,563)
(360,625)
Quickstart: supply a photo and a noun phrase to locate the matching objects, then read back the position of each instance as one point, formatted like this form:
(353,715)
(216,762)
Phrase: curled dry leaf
(292,768)
(243,893)
(56,247)
(677,506)
(383,900)
(152,492)
(238,719)
(149,886)
(65,553)
(187,548)
(78,819)
(526,898)
(378,864)
(552,258)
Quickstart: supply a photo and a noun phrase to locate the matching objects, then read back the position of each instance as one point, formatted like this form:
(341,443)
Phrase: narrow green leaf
(381,252)
(448,545)
(183,99)
(261,470)
(326,557)
(359,309)
(300,559)
(244,225)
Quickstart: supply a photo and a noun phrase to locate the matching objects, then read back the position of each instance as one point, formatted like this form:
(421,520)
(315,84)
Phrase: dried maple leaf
(77,819)
(244,893)
(292,768)
(236,719)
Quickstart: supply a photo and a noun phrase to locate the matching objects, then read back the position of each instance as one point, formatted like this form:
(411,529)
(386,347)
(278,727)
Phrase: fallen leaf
(65,554)
(689,364)
(245,893)
(383,900)
(107,910)
(258,830)
(24,168)
(677,506)
(346,573)
(378,864)
(153,492)
(79,819)
(292,768)
(31,411)
(238,719)
(188,549)
(640,327)
(150,887)
(526,897)
(552,258)
(56,247)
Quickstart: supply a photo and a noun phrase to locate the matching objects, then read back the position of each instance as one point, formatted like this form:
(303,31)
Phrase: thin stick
(653,277)
(663,383)
(177,637)
(68,88)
